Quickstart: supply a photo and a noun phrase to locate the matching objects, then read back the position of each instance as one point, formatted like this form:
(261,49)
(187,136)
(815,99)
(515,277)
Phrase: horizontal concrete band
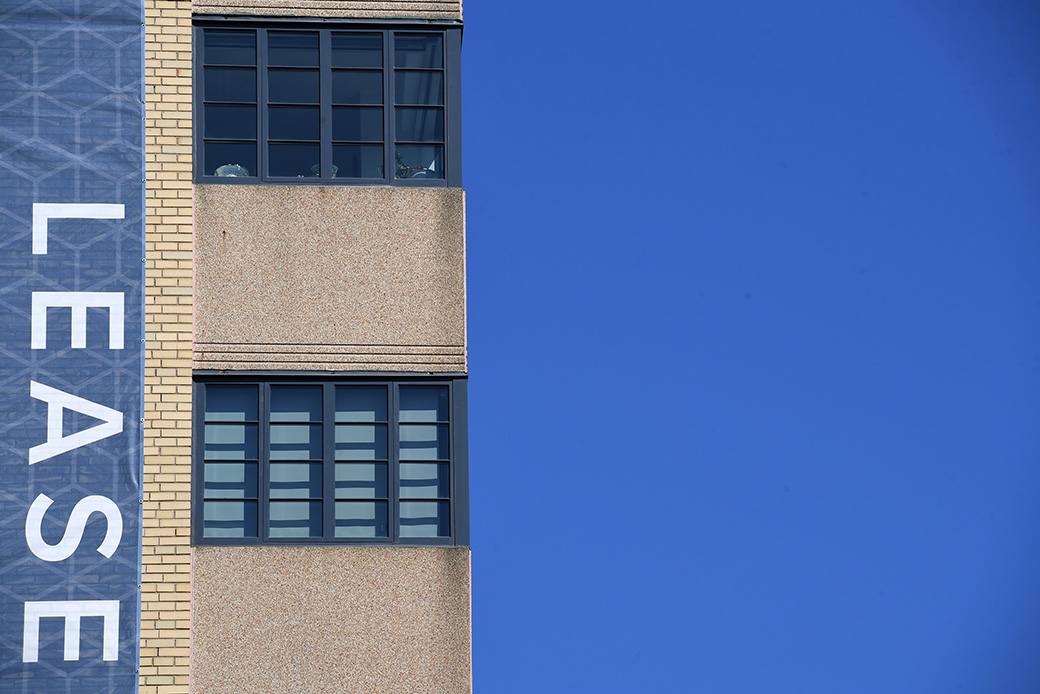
(396,367)
(434,350)
(331,357)
(427,9)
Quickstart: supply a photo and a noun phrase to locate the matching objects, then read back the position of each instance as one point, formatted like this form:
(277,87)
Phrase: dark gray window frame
(458,464)
(452,33)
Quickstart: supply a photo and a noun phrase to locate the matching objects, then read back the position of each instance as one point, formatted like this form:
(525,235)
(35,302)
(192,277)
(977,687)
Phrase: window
(358,460)
(295,103)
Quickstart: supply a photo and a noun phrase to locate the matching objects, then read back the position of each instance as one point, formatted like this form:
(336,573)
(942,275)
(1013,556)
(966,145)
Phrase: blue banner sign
(71,344)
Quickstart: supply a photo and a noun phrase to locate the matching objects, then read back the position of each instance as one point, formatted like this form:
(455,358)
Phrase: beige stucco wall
(391,9)
(299,620)
(330,278)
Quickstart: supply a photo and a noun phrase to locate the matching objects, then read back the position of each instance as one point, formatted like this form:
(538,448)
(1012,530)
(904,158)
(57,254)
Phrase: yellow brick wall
(166,591)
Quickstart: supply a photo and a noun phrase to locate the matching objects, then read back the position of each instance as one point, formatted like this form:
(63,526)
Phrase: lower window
(289,461)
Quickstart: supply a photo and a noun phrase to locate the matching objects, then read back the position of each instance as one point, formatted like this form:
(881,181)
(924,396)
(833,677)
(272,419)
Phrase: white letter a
(57,402)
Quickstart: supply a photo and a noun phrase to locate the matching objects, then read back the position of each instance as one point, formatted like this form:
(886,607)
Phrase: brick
(165,630)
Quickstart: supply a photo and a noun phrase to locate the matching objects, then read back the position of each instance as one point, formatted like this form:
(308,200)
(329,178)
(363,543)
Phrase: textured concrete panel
(395,9)
(330,278)
(299,620)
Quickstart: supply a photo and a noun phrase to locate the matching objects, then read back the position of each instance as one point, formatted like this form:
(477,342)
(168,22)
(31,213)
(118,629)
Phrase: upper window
(286,460)
(297,104)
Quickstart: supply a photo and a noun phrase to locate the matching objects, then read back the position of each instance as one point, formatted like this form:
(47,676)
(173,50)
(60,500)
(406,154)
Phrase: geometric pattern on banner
(71,131)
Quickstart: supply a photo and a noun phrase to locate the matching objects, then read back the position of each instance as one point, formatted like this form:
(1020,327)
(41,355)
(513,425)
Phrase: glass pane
(295,480)
(361,404)
(361,442)
(230,158)
(295,519)
(424,481)
(229,47)
(355,87)
(357,124)
(358,161)
(419,124)
(424,404)
(419,161)
(361,519)
(292,48)
(296,403)
(296,161)
(229,122)
(418,50)
(231,403)
(229,519)
(230,84)
(425,519)
(357,50)
(419,88)
(424,442)
(296,442)
(230,442)
(361,481)
(294,123)
(229,481)
(292,86)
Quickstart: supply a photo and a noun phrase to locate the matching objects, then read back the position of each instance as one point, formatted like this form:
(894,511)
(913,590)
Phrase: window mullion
(390,166)
(328,461)
(325,100)
(452,108)
(451,462)
(394,464)
(261,99)
(200,88)
(263,460)
(261,111)
(198,461)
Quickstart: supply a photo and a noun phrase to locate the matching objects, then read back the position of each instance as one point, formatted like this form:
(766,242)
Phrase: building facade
(304,491)
(304,514)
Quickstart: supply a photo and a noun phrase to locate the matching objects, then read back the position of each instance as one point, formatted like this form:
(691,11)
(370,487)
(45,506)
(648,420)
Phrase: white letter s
(74,531)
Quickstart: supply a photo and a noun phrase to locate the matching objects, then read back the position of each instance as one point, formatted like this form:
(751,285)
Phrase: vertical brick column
(166,591)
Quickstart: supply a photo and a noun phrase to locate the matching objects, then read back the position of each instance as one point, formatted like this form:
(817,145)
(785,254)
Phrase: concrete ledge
(392,9)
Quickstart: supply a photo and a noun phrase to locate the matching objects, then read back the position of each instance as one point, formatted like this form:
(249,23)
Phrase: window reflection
(229,47)
(419,161)
(292,48)
(357,50)
(418,50)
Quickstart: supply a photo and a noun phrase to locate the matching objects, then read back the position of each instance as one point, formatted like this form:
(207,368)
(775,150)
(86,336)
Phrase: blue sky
(754,349)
